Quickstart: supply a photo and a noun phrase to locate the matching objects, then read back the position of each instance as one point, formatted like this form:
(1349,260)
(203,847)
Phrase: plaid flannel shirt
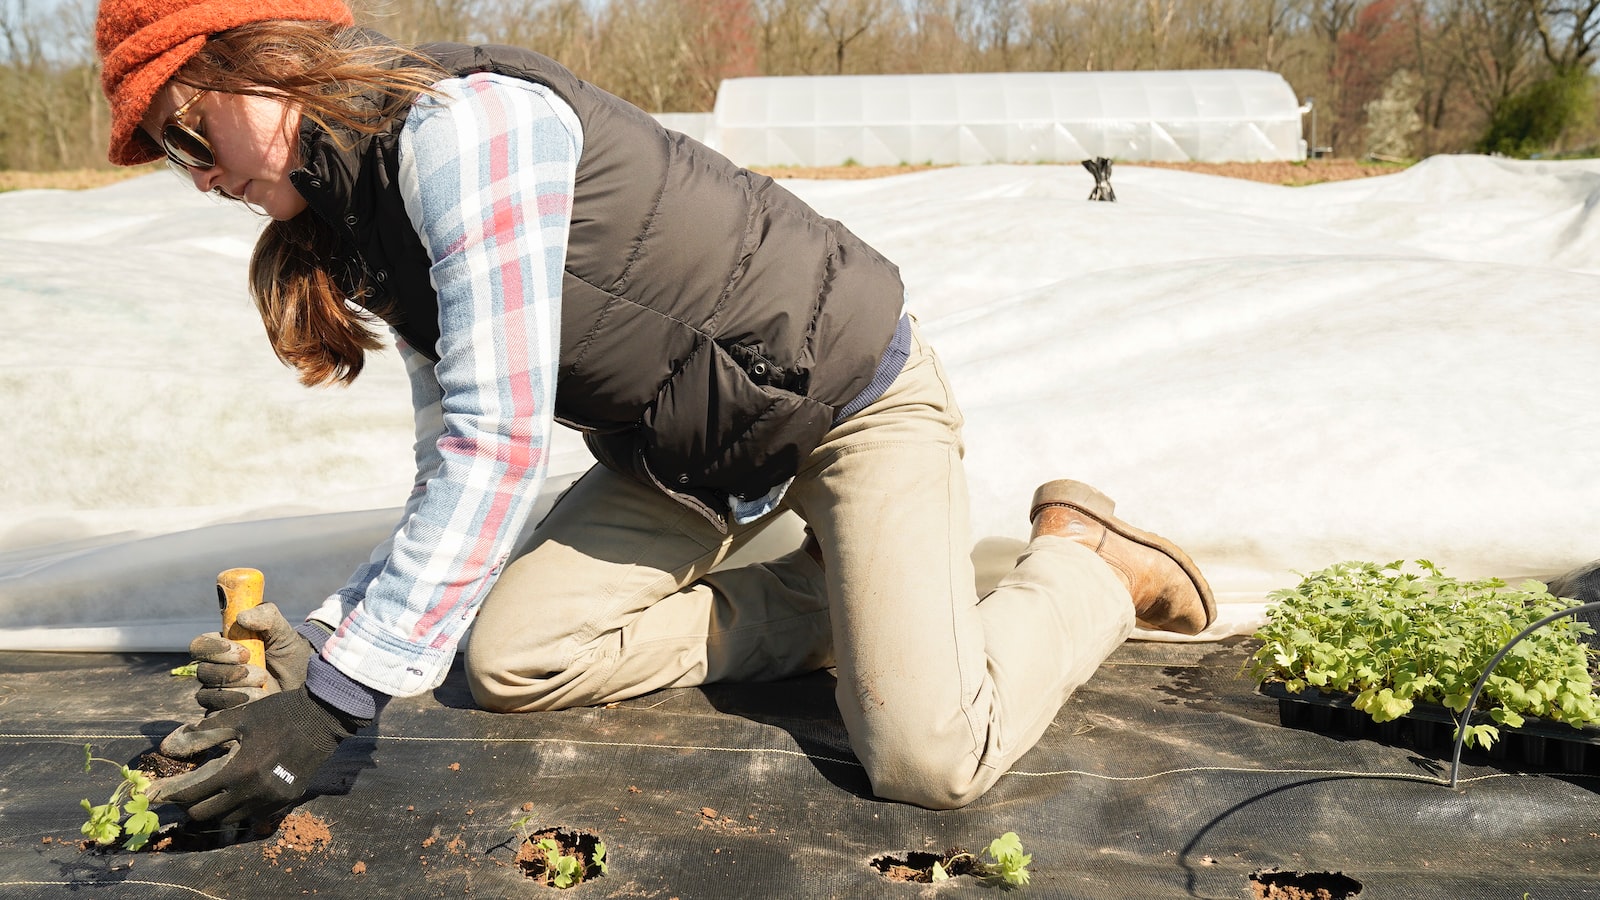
(487,174)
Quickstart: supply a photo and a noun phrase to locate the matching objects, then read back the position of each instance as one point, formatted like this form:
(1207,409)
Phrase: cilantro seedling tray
(1431,726)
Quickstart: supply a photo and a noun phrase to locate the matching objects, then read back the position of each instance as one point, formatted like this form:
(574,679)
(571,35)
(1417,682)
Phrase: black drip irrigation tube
(1472,702)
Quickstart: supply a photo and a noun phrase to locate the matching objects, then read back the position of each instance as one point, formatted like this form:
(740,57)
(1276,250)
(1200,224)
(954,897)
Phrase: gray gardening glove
(274,747)
(225,678)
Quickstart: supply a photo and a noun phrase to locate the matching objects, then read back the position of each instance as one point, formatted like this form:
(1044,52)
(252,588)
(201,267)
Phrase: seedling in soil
(1009,869)
(1010,863)
(558,858)
(107,825)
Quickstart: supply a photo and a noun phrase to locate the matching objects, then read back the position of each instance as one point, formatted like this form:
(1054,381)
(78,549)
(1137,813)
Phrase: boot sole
(1086,499)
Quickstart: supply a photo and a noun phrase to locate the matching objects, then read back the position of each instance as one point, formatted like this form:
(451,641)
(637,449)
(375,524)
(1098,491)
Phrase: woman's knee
(502,683)
(928,779)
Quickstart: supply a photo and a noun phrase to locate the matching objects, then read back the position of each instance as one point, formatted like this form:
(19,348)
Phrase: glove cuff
(344,694)
(315,633)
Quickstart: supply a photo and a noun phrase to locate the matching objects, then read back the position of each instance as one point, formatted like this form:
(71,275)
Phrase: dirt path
(71,180)
(1312,171)
(1309,172)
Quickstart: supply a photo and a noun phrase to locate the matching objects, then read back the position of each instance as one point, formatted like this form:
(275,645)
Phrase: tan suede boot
(1168,591)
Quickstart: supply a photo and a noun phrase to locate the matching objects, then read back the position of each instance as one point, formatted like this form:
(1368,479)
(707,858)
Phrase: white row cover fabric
(1275,378)
(1015,117)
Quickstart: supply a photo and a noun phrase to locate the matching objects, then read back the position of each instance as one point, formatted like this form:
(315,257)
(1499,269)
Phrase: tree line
(1386,78)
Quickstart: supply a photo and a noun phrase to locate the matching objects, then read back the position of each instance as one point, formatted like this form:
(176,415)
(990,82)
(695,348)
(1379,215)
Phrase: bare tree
(997,33)
(1211,30)
(789,45)
(1492,43)
(1440,73)
(1469,58)
(1330,21)
(1332,18)
(1269,23)
(416,21)
(1158,27)
(844,22)
(644,54)
(1568,30)
(562,29)
(52,114)
(936,38)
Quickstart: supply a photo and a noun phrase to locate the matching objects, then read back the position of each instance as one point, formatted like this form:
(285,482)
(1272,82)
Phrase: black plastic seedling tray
(1431,727)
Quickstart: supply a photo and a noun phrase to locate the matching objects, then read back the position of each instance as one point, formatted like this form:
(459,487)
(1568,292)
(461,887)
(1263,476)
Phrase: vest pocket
(714,426)
(763,371)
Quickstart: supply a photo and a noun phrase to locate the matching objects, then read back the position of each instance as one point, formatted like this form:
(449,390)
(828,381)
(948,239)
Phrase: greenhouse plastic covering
(700,126)
(1016,117)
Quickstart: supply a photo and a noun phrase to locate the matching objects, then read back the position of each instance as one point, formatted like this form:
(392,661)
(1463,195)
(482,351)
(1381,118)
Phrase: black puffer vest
(712,324)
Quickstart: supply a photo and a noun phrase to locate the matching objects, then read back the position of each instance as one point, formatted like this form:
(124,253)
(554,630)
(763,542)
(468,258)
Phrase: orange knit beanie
(142,43)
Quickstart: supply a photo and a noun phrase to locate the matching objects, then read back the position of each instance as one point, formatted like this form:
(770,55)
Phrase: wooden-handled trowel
(237,591)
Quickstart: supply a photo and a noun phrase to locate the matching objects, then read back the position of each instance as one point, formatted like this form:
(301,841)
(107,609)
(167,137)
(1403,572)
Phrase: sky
(1276,378)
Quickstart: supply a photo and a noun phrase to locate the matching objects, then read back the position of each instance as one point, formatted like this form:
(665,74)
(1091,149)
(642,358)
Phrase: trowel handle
(239,590)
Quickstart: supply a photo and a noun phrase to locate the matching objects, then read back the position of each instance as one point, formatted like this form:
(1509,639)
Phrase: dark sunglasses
(185,145)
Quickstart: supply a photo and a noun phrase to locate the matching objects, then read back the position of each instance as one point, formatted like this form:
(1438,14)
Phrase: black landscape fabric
(1167,775)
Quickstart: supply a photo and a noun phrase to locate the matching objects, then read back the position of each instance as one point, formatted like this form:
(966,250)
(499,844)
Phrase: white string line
(165,884)
(1401,776)
(73,737)
(498,740)
(623,744)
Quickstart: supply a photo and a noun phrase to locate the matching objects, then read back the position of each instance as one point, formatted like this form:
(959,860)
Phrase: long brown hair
(350,88)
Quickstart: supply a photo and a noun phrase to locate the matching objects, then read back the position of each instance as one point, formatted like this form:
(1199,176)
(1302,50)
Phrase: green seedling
(1010,866)
(1010,863)
(561,870)
(107,825)
(1394,638)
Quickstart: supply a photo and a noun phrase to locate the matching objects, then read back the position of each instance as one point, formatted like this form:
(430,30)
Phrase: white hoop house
(1009,117)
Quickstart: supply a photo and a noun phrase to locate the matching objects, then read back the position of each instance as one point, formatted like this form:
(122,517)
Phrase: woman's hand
(278,743)
(227,680)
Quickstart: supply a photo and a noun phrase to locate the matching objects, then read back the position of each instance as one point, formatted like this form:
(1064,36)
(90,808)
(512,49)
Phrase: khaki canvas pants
(613,596)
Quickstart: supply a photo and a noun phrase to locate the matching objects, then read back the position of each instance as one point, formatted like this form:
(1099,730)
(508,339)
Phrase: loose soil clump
(918,866)
(186,838)
(159,765)
(300,832)
(532,859)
